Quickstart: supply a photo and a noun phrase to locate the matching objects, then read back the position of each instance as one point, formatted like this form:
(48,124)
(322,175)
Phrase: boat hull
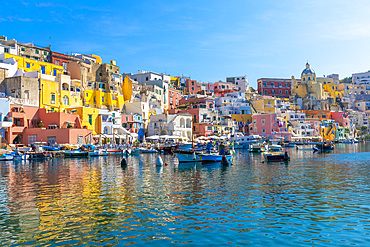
(211,158)
(187,157)
(277,157)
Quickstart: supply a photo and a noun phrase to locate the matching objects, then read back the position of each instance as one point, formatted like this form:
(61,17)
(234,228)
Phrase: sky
(206,40)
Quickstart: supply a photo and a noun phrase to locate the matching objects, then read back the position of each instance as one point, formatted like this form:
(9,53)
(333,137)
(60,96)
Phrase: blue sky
(207,40)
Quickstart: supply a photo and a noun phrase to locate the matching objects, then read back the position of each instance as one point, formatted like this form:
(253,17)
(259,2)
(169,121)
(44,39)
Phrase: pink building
(222,86)
(269,126)
(193,86)
(174,97)
(23,117)
(341,118)
(34,124)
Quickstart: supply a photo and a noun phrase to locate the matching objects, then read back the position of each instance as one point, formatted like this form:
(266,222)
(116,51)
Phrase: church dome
(308,70)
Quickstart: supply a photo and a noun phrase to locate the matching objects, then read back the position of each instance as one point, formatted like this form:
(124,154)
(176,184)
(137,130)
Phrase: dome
(308,70)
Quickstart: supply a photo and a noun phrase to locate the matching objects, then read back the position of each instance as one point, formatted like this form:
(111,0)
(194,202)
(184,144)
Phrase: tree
(346,80)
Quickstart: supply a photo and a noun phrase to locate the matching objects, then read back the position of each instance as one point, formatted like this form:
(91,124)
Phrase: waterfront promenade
(315,199)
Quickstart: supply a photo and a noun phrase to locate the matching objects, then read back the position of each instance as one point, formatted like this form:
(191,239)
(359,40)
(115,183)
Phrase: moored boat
(75,153)
(256,148)
(98,152)
(6,157)
(114,151)
(187,156)
(276,156)
(211,158)
(323,147)
(42,155)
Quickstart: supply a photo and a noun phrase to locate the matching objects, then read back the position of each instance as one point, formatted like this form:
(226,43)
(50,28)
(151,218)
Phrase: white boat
(18,157)
(147,150)
(6,157)
(98,152)
(243,142)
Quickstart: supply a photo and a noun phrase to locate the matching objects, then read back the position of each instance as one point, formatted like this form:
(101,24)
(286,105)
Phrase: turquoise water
(315,199)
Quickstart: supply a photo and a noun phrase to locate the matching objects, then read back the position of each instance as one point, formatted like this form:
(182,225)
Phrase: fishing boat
(6,157)
(187,156)
(243,142)
(147,150)
(256,148)
(75,153)
(274,152)
(19,157)
(289,145)
(213,157)
(276,156)
(41,155)
(98,152)
(323,147)
(114,151)
(50,148)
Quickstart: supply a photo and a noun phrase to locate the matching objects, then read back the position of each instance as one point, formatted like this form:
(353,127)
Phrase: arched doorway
(18,139)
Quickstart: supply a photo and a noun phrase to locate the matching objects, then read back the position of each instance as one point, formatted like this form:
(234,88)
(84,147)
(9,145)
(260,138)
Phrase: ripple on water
(314,200)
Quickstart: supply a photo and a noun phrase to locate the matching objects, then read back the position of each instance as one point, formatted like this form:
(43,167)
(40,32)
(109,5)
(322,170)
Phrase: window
(6,50)
(286,91)
(279,84)
(102,99)
(263,121)
(52,98)
(45,53)
(64,65)
(57,62)
(26,94)
(28,65)
(280,92)
(54,72)
(37,51)
(265,91)
(192,83)
(43,70)
(65,100)
(263,131)
(90,120)
(23,49)
(32,139)
(286,84)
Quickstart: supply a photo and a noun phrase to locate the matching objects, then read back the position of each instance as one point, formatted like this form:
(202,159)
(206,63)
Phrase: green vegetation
(346,80)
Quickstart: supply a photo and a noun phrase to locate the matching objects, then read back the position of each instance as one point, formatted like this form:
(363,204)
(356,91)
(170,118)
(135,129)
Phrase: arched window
(65,100)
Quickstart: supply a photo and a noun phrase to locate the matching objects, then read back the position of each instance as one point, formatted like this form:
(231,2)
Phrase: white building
(8,46)
(171,124)
(145,76)
(138,107)
(361,78)
(241,82)
(9,64)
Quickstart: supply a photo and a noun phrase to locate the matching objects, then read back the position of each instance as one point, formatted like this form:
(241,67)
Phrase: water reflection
(314,199)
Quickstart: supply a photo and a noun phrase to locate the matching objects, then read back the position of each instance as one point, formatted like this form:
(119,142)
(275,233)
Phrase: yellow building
(265,105)
(59,93)
(89,117)
(29,65)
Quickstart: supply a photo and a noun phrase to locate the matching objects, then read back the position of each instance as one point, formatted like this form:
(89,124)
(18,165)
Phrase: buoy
(194,156)
(159,161)
(231,164)
(124,162)
(166,164)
